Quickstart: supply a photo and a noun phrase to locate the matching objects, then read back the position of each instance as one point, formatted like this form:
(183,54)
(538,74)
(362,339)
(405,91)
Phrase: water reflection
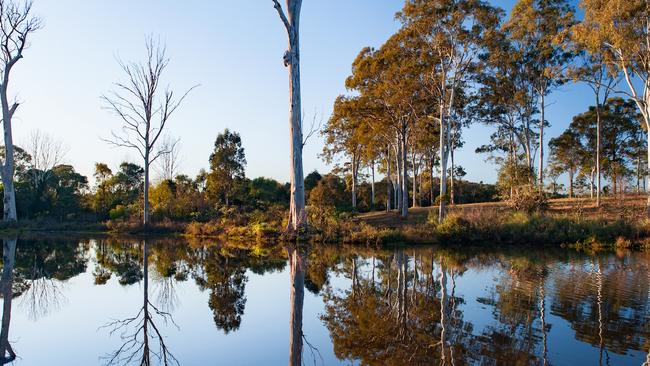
(376,307)
(6,287)
(142,332)
(297,295)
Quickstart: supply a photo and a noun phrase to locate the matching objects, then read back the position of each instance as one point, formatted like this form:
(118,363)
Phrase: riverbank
(619,222)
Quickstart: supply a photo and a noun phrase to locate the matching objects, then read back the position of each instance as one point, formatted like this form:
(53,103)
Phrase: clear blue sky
(234,50)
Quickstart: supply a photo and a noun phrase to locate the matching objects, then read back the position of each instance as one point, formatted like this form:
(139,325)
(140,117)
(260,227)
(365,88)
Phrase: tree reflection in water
(405,306)
(7,354)
(140,333)
(374,322)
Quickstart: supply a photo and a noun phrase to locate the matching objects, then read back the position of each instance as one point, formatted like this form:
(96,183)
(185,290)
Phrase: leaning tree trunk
(297,268)
(297,213)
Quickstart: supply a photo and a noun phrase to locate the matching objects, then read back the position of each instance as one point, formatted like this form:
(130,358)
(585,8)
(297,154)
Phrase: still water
(170,301)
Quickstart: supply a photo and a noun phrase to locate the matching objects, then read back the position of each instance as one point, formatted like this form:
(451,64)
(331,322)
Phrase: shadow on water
(413,306)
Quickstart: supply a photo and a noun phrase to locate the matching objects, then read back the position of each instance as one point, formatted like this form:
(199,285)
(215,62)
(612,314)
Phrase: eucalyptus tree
(565,154)
(345,134)
(17,23)
(619,139)
(537,31)
(451,34)
(593,70)
(618,30)
(291,21)
(142,110)
(387,81)
(505,99)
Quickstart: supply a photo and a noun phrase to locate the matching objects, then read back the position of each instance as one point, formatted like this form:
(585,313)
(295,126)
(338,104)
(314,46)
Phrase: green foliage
(330,192)
(227,163)
(512,177)
(117,212)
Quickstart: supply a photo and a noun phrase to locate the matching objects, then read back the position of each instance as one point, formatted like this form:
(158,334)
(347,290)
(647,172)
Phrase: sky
(233,51)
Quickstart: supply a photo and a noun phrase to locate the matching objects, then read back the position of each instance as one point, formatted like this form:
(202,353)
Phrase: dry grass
(629,208)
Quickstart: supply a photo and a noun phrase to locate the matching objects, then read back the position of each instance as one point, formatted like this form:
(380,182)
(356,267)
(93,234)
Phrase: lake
(124,301)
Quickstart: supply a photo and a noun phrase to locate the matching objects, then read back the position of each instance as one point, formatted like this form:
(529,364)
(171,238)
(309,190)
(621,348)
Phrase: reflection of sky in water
(72,334)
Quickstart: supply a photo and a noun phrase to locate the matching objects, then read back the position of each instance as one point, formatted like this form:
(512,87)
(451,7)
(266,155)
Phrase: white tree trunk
(354,181)
(405,192)
(598,148)
(298,216)
(452,192)
(7,169)
(400,182)
(442,210)
(389,184)
(540,173)
(372,185)
(297,268)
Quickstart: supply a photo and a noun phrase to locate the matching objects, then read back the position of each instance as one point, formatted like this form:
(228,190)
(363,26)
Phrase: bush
(453,226)
(528,200)
(117,212)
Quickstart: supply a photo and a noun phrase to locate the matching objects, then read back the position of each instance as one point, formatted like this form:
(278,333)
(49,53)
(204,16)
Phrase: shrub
(117,212)
(528,200)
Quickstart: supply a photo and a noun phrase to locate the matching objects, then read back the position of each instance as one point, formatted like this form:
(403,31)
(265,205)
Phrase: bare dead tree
(46,152)
(168,164)
(139,332)
(291,21)
(143,111)
(16,25)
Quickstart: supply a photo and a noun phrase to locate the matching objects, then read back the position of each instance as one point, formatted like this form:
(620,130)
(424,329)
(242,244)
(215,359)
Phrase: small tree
(227,163)
(16,25)
(144,113)
(565,155)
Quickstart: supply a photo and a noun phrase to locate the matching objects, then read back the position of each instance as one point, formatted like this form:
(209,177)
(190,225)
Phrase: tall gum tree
(536,28)
(16,25)
(451,33)
(619,30)
(291,21)
(387,83)
(592,70)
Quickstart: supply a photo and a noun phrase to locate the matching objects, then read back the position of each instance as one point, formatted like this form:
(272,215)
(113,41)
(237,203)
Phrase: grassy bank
(577,222)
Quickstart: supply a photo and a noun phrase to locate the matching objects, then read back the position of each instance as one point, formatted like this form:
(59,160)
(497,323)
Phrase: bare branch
(283,17)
